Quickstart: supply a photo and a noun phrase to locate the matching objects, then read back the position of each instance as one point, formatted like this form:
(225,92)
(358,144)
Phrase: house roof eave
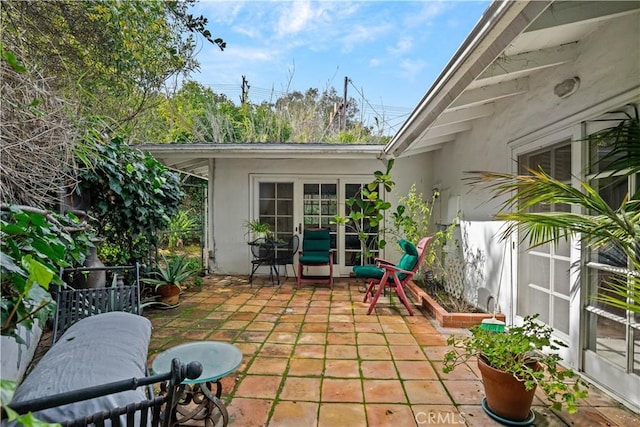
(499,26)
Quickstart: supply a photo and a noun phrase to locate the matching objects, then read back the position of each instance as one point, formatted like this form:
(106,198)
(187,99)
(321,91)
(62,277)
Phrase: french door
(291,205)
(612,345)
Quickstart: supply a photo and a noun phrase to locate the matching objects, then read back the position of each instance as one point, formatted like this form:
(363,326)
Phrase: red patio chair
(396,276)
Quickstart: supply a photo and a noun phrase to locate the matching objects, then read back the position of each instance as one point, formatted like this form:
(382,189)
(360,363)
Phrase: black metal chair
(285,254)
(263,253)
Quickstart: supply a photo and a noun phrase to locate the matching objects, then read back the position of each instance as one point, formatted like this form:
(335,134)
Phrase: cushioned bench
(101,353)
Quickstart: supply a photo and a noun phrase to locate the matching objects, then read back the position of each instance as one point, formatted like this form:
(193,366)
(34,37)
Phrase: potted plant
(257,230)
(513,364)
(167,279)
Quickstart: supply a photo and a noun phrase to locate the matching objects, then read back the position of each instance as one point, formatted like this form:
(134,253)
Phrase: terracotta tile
(315,327)
(342,369)
(336,414)
(461,372)
(340,318)
(267,317)
(312,338)
(383,391)
(465,392)
(341,327)
(306,367)
(242,316)
(378,369)
(341,352)
(407,352)
(434,339)
(259,386)
(248,348)
(371,338)
(316,318)
(318,310)
(268,365)
(260,326)
(234,324)
(426,391)
(440,415)
(475,416)
(309,351)
(195,335)
(395,328)
(401,339)
(294,414)
(341,390)
(435,352)
(224,335)
(252,336)
(283,337)
(389,414)
(416,370)
(276,350)
(305,389)
(341,338)
(287,327)
(374,352)
(248,412)
(368,327)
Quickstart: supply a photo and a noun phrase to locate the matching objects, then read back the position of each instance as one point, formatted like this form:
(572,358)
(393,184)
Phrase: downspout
(211,240)
(454,80)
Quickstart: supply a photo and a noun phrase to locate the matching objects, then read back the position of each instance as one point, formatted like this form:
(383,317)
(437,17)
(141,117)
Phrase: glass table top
(218,359)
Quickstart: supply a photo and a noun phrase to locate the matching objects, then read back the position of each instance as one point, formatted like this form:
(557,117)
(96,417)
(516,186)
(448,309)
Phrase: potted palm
(257,230)
(513,364)
(167,279)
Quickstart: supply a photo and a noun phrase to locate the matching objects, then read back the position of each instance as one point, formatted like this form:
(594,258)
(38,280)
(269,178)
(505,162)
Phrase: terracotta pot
(169,294)
(506,396)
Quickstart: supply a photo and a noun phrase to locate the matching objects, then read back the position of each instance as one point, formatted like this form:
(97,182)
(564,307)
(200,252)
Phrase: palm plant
(175,270)
(600,226)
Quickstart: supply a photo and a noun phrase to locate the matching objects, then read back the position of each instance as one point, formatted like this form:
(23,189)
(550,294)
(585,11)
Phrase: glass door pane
(276,208)
(543,271)
(353,249)
(320,205)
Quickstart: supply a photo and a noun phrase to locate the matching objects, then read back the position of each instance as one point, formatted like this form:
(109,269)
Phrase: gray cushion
(96,350)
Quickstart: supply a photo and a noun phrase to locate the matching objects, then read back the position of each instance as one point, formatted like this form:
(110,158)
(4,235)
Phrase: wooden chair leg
(381,286)
(370,285)
(401,295)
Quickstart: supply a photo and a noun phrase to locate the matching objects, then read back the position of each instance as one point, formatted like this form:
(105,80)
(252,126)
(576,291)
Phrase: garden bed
(442,316)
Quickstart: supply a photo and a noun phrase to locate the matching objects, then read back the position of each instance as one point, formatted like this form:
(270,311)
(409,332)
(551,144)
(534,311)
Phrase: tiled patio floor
(312,357)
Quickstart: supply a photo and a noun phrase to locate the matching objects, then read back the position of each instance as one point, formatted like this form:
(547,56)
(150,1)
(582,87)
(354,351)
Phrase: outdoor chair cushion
(96,350)
(407,263)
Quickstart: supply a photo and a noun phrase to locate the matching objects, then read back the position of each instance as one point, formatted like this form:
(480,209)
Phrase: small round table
(218,360)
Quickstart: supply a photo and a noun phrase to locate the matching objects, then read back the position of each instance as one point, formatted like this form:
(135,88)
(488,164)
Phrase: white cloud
(409,68)
(402,46)
(295,18)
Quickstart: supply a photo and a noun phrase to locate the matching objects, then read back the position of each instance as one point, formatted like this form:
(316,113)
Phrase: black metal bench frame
(156,411)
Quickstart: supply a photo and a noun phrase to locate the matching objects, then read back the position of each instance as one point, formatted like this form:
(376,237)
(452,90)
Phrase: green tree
(110,56)
(132,196)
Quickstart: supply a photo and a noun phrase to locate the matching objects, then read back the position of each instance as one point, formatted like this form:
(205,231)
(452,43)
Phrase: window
(543,273)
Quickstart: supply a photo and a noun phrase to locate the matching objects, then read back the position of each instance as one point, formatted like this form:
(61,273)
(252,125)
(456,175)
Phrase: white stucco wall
(232,206)
(608,64)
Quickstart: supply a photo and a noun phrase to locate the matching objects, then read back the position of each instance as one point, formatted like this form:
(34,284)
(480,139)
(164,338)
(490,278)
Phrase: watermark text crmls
(426,418)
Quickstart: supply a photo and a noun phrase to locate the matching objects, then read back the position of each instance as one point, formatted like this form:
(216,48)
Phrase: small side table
(198,403)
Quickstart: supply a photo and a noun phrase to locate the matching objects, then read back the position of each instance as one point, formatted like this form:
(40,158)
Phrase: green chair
(386,274)
(316,252)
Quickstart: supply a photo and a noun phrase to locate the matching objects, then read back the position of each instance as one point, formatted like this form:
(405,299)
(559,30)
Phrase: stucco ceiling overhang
(194,159)
(512,41)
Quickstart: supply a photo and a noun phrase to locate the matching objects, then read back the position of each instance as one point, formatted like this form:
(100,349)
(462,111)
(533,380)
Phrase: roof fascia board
(268,151)
(499,26)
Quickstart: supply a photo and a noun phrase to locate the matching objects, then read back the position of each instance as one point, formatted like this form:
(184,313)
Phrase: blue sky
(391,51)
